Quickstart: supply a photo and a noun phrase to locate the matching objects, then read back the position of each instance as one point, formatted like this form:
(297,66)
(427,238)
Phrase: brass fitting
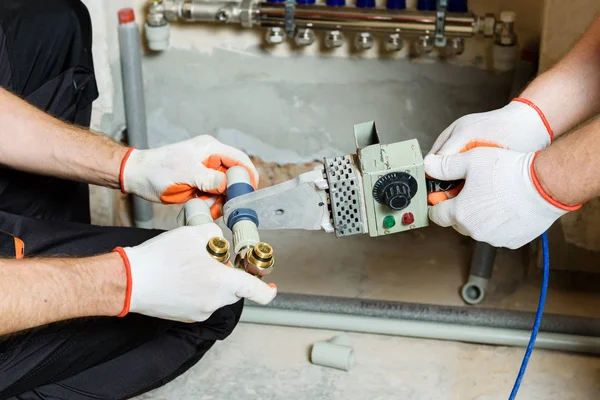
(258,260)
(218,248)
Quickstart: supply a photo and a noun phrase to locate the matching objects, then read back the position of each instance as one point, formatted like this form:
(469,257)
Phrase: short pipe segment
(197,212)
(252,255)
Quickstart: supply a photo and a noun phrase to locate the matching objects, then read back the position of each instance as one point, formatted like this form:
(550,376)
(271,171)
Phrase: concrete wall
(285,105)
(562,27)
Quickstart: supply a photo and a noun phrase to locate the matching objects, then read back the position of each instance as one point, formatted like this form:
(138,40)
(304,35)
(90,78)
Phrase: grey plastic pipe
(419,329)
(135,106)
(457,315)
(482,265)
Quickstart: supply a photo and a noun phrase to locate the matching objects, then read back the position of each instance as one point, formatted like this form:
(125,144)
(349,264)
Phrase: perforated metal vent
(345,196)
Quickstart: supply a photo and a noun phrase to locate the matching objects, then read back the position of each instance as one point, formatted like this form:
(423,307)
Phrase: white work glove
(501,203)
(178,172)
(519,126)
(173,277)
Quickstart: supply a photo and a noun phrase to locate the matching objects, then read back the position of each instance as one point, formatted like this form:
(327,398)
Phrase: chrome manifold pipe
(249,13)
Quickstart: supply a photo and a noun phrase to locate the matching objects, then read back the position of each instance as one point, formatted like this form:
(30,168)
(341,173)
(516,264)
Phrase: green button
(389,221)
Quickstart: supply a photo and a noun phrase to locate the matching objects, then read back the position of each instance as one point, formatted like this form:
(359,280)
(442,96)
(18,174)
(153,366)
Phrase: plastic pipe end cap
(508,16)
(126,15)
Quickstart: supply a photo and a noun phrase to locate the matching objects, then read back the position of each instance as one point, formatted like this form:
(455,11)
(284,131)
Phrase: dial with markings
(395,190)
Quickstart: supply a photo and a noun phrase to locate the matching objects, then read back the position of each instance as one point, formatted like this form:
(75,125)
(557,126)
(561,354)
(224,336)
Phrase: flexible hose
(538,317)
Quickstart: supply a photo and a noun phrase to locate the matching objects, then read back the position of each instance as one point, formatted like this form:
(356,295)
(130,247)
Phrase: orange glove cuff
(542,192)
(540,113)
(122,169)
(127,304)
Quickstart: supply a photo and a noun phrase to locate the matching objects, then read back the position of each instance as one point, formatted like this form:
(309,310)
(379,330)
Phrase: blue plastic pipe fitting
(458,6)
(365,3)
(240,214)
(427,5)
(396,4)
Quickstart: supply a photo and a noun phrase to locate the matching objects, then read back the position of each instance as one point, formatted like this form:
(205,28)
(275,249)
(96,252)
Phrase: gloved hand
(171,276)
(182,171)
(519,126)
(502,202)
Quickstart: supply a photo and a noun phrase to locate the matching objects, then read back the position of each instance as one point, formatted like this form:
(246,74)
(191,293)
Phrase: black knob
(395,190)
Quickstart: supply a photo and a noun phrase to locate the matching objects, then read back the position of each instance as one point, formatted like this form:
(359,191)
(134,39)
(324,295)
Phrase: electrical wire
(538,317)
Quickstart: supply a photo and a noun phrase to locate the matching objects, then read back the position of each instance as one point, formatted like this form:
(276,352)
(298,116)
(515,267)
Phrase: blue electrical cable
(538,317)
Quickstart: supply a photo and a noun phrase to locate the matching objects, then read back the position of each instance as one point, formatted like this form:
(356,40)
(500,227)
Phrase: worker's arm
(510,198)
(170,276)
(33,141)
(555,102)
(40,291)
(568,170)
(569,92)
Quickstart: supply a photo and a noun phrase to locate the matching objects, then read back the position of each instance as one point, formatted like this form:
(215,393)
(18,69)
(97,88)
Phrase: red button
(408,218)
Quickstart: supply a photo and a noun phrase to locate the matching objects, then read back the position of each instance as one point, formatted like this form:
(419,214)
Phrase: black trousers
(45,58)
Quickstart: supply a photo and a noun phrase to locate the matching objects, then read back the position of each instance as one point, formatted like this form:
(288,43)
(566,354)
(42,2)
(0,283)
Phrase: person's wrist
(103,279)
(546,182)
(116,285)
(547,129)
(122,163)
(121,308)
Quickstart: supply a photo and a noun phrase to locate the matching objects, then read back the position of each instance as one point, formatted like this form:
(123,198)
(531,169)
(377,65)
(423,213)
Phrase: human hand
(518,126)
(501,203)
(172,276)
(181,171)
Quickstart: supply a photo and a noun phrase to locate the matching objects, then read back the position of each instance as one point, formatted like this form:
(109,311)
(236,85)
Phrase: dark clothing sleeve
(45,58)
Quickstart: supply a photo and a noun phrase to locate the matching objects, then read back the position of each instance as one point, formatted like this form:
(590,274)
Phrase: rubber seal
(242,214)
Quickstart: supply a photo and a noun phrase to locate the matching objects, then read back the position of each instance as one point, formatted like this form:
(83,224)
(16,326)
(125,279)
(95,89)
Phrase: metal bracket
(290,24)
(300,203)
(440,22)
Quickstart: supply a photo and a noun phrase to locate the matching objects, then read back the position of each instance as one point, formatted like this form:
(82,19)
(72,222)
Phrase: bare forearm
(568,169)
(569,92)
(33,141)
(36,292)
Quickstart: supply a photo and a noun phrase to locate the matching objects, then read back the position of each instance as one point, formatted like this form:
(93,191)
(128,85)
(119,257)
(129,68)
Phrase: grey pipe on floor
(135,106)
(419,329)
(480,272)
(461,315)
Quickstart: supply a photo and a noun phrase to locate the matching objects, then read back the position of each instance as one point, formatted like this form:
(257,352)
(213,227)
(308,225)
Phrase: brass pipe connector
(257,260)
(218,248)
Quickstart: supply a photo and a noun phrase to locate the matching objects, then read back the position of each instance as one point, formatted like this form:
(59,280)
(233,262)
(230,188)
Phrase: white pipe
(237,175)
(419,329)
(197,212)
